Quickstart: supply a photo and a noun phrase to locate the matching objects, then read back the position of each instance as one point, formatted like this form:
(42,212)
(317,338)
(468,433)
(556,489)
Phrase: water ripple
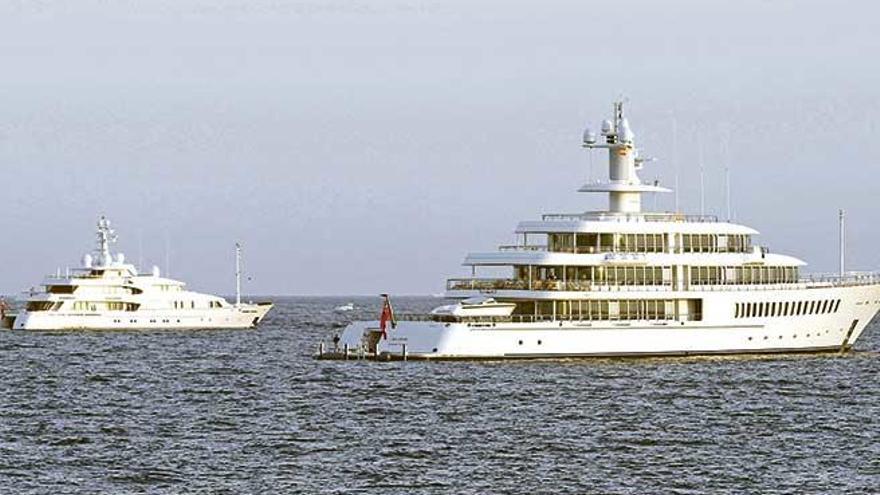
(251,412)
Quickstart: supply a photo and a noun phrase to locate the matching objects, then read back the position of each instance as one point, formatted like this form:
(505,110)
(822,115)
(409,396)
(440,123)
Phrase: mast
(702,174)
(237,274)
(842,234)
(623,186)
(675,160)
(105,235)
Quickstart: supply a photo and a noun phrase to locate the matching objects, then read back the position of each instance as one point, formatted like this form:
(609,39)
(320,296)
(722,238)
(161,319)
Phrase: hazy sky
(356,147)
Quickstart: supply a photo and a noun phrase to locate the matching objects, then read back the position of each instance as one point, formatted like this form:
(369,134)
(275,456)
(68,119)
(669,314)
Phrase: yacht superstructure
(626,282)
(108,293)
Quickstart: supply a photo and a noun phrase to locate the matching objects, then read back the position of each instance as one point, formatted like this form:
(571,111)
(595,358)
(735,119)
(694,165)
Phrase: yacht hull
(244,316)
(717,333)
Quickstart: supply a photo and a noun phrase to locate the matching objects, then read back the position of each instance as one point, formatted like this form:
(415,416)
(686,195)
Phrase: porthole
(765,337)
(780,337)
(520,342)
(539,342)
(434,350)
(750,338)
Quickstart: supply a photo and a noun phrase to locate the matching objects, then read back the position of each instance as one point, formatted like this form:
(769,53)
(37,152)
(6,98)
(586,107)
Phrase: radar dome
(625,134)
(87,260)
(589,136)
(607,128)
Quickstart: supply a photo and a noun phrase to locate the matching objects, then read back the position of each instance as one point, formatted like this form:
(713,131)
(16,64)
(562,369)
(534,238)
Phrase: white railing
(604,216)
(519,247)
(837,280)
(814,280)
(546,318)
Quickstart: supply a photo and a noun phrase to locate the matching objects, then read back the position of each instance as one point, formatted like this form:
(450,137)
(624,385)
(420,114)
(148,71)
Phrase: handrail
(519,247)
(806,282)
(535,318)
(606,216)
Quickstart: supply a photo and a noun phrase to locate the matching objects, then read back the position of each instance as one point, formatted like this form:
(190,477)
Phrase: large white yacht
(108,293)
(624,282)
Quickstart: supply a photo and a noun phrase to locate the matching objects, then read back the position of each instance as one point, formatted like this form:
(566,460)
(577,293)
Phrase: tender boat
(476,306)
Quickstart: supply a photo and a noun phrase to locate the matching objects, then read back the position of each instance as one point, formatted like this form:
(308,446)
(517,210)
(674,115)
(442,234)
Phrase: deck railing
(604,216)
(807,281)
(486,284)
(838,280)
(516,247)
(539,319)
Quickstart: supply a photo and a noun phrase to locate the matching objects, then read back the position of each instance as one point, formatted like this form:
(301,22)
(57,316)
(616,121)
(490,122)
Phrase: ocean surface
(250,411)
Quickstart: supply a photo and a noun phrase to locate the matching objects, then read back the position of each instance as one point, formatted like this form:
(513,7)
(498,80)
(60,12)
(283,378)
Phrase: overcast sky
(359,147)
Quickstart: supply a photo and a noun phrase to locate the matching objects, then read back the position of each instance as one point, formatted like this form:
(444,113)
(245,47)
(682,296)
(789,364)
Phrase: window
(39,306)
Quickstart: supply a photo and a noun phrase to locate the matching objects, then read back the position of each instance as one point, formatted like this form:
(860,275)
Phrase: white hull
(244,316)
(717,333)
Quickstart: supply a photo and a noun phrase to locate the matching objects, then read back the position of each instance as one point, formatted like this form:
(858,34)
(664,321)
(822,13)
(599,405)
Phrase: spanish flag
(387,316)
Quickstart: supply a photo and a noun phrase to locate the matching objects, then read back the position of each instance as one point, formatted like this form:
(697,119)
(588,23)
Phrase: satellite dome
(607,128)
(625,134)
(589,136)
(87,260)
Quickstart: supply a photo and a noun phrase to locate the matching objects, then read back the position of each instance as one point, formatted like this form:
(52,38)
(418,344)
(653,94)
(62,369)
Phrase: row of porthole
(794,336)
(521,342)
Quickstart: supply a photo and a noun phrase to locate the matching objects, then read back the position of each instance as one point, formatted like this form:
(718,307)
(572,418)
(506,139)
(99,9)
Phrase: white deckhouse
(625,282)
(107,293)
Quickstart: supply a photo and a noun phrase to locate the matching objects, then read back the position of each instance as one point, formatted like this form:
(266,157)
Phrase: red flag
(387,316)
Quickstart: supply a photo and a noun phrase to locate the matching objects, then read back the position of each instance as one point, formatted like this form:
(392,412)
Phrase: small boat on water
(344,308)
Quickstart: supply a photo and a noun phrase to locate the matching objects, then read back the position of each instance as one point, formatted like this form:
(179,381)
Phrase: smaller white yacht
(344,308)
(106,293)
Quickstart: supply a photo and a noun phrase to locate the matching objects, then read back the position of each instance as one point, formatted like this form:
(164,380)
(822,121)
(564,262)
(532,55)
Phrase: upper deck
(631,223)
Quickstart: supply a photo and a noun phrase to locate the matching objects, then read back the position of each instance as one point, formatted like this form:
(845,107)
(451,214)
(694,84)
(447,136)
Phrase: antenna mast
(842,233)
(725,155)
(623,186)
(106,236)
(237,274)
(675,159)
(702,174)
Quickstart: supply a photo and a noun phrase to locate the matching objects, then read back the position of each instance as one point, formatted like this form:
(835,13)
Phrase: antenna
(702,173)
(727,190)
(140,266)
(167,255)
(237,274)
(842,233)
(725,156)
(675,158)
